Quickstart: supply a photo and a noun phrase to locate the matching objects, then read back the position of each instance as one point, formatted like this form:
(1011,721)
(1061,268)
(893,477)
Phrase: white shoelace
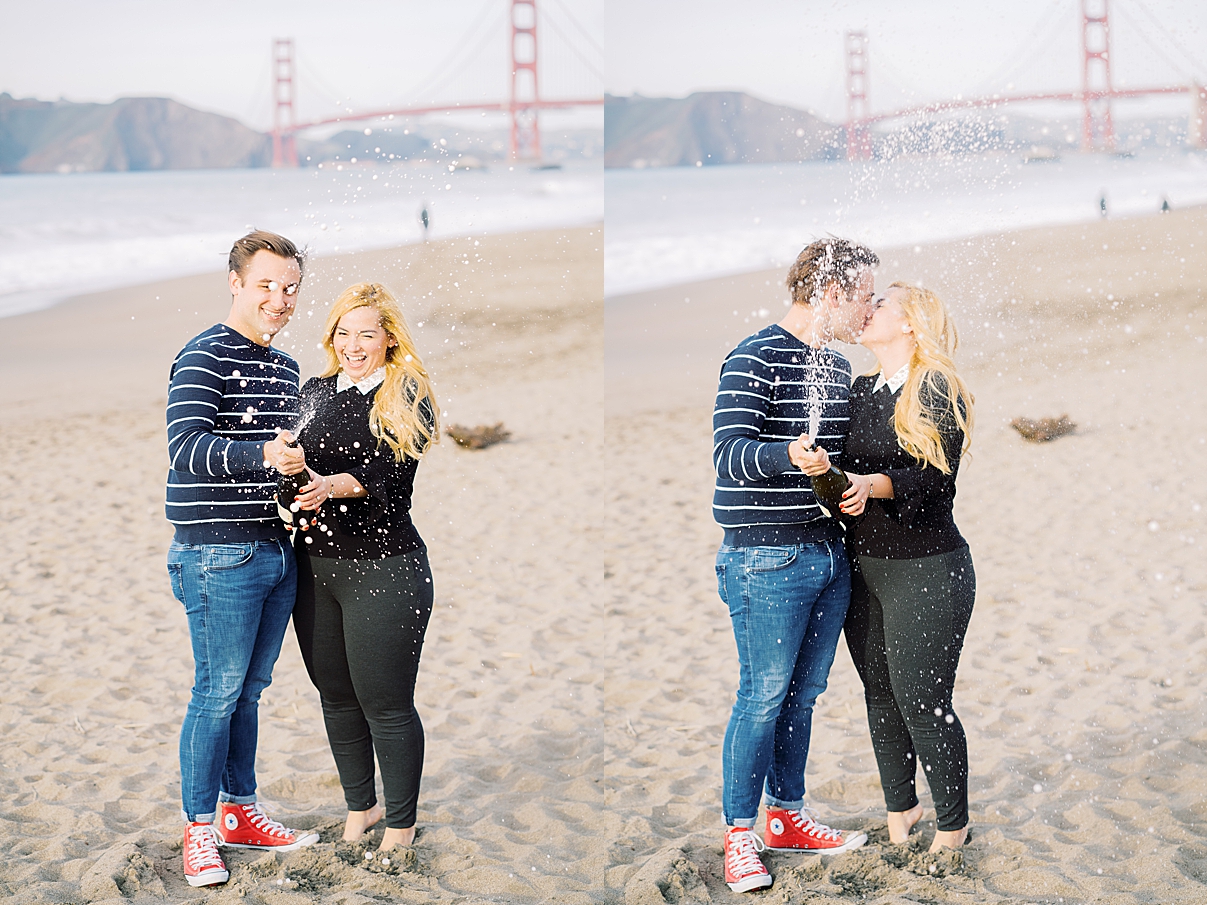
(203,848)
(744,853)
(263,822)
(805,820)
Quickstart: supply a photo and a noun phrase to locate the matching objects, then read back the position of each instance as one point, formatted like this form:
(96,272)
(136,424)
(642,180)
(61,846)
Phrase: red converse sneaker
(246,826)
(744,870)
(202,864)
(797,831)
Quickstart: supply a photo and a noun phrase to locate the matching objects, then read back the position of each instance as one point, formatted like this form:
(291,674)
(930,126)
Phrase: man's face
(852,312)
(262,299)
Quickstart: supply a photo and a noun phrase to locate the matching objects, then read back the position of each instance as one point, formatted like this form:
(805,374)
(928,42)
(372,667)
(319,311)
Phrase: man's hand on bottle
(284,458)
(809,459)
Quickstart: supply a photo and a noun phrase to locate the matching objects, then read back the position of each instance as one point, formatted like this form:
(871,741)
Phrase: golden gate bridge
(1096,94)
(522,106)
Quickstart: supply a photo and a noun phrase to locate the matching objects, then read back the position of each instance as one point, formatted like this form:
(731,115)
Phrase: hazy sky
(216,54)
(918,50)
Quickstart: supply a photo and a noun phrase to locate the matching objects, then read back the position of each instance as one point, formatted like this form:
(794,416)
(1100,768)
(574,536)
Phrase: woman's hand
(317,492)
(284,458)
(809,459)
(855,498)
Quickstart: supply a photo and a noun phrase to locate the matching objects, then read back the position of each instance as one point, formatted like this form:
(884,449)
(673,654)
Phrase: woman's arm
(324,487)
(863,488)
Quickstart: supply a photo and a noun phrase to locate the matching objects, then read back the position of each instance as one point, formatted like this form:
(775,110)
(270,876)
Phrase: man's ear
(834,294)
(233,280)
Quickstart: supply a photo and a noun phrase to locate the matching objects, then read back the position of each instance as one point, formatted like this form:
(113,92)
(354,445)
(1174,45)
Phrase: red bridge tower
(525,128)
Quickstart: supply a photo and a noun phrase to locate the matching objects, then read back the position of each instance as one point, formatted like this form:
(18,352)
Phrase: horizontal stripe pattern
(227,396)
(769,385)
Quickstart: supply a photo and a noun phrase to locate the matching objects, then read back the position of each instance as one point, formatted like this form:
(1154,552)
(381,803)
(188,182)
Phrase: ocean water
(61,235)
(674,225)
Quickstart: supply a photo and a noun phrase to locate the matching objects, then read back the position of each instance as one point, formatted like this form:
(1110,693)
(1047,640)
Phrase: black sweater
(917,521)
(337,440)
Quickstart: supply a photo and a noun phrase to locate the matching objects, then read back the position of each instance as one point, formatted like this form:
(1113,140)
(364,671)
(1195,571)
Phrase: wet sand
(1081,685)
(95,664)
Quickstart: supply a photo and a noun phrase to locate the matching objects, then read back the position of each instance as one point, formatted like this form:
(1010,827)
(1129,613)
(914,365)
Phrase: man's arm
(743,401)
(194,400)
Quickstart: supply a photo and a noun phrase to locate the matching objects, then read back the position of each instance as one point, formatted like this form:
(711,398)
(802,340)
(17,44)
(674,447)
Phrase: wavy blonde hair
(397,416)
(932,366)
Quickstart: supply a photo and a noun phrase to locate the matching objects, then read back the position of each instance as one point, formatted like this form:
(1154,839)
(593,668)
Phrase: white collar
(895,382)
(366,385)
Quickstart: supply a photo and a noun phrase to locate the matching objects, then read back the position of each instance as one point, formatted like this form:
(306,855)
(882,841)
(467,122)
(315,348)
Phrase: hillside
(133,133)
(711,127)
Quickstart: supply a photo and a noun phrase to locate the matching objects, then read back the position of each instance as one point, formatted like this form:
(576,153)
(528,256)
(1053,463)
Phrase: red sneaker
(203,865)
(247,826)
(744,870)
(797,831)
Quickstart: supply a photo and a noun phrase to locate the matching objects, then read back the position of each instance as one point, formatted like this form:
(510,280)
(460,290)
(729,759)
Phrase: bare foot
(359,821)
(949,839)
(901,822)
(393,837)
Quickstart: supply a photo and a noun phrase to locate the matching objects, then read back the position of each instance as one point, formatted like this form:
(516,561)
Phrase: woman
(364,587)
(912,584)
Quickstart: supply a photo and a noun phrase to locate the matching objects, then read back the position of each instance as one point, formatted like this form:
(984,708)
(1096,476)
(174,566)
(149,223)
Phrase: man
(782,569)
(230,562)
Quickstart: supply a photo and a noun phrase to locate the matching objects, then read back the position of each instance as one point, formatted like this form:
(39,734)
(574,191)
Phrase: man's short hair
(261,240)
(824,262)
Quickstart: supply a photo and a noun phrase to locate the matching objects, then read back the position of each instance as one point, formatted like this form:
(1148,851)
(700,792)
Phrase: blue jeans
(787,605)
(238,598)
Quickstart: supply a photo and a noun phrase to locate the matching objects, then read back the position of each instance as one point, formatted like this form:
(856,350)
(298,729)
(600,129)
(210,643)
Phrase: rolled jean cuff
(744,822)
(199,818)
(227,798)
(773,802)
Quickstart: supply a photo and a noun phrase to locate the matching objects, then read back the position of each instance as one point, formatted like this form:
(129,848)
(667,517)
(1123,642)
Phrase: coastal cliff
(132,133)
(712,127)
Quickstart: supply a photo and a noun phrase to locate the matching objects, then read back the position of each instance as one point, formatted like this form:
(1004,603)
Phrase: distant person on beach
(425,219)
(230,562)
(365,588)
(782,569)
(913,583)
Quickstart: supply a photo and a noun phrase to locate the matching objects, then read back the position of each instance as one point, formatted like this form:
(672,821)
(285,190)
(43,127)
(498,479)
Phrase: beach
(579,667)
(95,663)
(1080,685)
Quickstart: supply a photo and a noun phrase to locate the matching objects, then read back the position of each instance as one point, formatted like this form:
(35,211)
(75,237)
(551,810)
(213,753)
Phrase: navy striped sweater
(228,395)
(769,385)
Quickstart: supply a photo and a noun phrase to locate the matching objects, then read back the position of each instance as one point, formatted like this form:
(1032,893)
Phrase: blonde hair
(915,419)
(398,415)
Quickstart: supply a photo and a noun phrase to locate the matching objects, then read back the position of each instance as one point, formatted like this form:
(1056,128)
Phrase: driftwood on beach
(479,437)
(1043,429)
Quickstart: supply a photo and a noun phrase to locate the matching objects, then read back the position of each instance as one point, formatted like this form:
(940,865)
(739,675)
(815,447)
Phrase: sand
(1081,685)
(95,664)
(580,668)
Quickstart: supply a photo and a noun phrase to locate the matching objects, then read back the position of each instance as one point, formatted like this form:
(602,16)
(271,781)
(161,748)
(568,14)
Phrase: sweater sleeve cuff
(244,456)
(376,484)
(908,492)
(777,455)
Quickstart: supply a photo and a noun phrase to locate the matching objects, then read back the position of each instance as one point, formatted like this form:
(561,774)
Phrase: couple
(357,585)
(900,583)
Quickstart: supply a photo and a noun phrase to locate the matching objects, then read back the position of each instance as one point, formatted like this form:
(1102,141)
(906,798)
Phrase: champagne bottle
(288,487)
(829,487)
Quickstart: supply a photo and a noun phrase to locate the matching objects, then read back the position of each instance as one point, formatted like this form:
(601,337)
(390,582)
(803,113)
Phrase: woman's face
(887,324)
(360,342)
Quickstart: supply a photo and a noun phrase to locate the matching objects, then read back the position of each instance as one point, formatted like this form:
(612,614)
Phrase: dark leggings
(360,625)
(905,629)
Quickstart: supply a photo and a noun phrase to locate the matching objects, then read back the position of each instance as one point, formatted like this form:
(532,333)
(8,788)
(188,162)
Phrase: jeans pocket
(721,583)
(769,559)
(227,556)
(177,579)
